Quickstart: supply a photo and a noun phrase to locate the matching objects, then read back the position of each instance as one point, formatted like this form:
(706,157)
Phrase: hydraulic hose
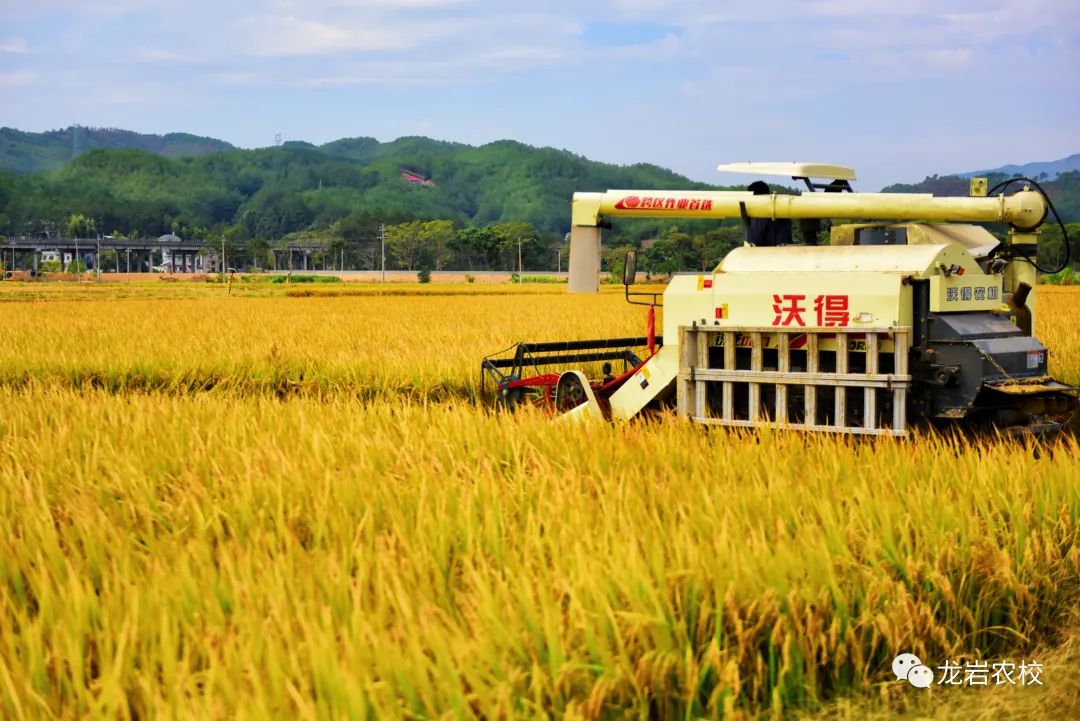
(1003,186)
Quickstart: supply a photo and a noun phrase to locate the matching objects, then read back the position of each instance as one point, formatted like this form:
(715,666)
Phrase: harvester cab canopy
(839,177)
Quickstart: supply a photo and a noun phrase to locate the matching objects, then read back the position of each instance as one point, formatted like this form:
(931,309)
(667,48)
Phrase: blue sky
(897,90)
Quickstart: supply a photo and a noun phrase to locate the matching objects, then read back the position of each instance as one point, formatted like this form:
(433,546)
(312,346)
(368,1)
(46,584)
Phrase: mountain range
(266,193)
(1041,170)
(27,152)
(23,152)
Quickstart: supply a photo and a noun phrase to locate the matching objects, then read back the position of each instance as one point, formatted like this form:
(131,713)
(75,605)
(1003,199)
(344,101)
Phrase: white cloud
(461,68)
(948,59)
(388,28)
(296,36)
(18,78)
(1051,17)
(922,67)
(865,8)
(389,44)
(17,46)
(236,78)
(158,55)
(410,4)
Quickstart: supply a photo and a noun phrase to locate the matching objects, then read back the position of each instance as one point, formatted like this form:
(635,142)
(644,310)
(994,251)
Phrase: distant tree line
(357,242)
(476,208)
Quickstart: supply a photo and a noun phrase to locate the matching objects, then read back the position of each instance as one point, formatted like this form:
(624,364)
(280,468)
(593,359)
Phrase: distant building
(184,261)
(411,177)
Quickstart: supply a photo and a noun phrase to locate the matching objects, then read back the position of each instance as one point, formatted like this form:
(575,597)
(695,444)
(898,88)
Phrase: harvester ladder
(714,390)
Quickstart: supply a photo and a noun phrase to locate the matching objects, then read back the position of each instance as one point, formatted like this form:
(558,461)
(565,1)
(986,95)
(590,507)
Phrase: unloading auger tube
(914,317)
(1024,211)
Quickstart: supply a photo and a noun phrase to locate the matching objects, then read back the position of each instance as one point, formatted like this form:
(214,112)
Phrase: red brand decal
(633,202)
(788,309)
(830,311)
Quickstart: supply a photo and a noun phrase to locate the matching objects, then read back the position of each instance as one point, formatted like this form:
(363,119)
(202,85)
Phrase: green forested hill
(270,192)
(22,152)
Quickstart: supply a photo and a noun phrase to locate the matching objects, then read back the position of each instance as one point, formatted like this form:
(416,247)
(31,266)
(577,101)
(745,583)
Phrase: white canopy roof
(791,170)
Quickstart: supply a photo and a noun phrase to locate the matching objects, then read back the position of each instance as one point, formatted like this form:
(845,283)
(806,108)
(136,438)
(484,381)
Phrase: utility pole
(519,260)
(97,260)
(78,271)
(222,257)
(382,245)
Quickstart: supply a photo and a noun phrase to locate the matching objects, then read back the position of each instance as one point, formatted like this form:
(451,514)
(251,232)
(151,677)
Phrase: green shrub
(1065,277)
(538,279)
(424,275)
(304,279)
(470,278)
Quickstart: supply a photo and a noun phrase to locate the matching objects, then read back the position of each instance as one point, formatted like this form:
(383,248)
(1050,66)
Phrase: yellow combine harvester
(913,317)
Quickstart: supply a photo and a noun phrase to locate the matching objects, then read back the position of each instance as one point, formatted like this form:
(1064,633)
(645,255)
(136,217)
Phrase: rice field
(272,505)
(424,345)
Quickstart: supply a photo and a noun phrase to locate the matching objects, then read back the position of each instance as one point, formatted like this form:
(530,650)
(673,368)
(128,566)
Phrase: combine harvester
(913,318)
